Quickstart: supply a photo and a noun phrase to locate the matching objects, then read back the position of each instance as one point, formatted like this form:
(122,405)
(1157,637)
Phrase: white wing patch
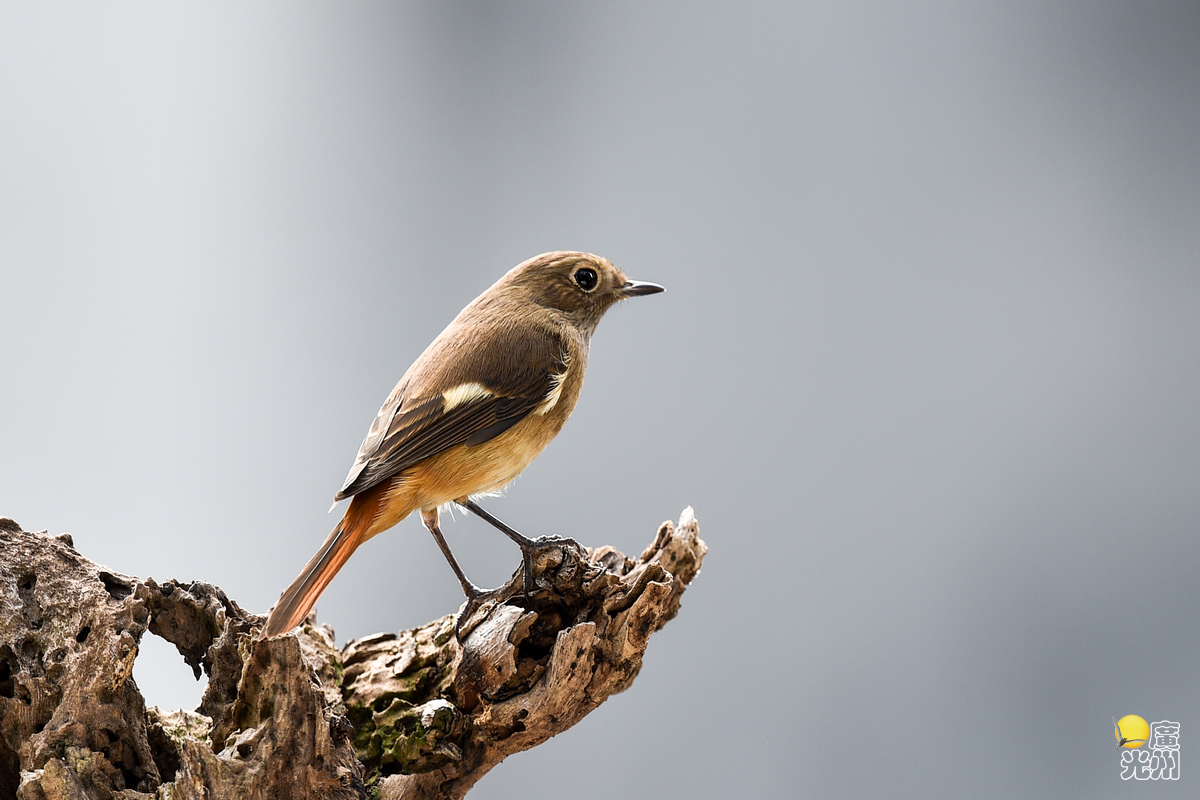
(463,393)
(556,385)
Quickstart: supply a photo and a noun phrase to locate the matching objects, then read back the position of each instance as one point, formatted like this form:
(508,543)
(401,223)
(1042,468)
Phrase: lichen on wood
(415,714)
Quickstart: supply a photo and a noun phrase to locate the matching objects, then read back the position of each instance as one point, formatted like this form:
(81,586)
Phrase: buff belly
(463,471)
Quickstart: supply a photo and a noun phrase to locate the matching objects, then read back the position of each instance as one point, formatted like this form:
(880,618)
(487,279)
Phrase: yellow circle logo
(1131,731)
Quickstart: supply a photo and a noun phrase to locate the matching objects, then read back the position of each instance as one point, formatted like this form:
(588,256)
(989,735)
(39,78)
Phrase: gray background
(928,366)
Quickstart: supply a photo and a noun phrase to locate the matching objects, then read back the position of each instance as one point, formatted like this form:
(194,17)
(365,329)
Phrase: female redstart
(474,410)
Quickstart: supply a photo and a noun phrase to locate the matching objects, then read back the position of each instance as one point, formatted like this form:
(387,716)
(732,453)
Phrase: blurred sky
(928,365)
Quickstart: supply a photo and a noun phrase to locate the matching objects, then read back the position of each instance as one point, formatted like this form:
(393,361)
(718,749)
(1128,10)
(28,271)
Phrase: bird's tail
(298,599)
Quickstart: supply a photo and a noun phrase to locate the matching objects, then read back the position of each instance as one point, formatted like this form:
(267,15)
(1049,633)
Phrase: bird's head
(579,286)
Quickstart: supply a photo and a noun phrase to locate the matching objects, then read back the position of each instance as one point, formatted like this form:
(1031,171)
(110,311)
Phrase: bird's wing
(459,395)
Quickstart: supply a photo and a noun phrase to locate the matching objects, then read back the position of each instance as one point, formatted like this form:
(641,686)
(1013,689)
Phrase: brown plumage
(486,396)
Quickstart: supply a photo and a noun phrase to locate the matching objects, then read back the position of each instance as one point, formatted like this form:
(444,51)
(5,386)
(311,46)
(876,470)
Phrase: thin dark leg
(475,596)
(474,508)
(526,544)
(470,589)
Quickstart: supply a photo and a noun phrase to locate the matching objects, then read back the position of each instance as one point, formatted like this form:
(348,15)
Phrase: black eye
(586,278)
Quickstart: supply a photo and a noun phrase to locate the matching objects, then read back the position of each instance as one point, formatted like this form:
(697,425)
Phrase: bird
(478,405)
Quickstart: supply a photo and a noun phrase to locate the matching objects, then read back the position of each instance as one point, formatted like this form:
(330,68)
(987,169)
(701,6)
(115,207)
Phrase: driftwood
(408,715)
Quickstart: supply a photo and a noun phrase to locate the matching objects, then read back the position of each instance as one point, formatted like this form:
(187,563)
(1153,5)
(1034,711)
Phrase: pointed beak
(638,288)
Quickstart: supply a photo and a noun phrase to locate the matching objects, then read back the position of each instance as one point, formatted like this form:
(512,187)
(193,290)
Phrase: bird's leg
(430,518)
(475,595)
(526,544)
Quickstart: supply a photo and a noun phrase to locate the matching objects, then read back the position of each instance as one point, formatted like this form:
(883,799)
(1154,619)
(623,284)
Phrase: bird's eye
(586,278)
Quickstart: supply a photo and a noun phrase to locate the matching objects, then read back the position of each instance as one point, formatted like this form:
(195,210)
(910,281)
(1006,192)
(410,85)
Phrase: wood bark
(415,714)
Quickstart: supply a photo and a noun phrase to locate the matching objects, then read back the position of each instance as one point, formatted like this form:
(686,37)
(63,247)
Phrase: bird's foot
(475,601)
(542,546)
(544,553)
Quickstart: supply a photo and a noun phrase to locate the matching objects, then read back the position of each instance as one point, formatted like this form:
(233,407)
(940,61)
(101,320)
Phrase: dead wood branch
(408,715)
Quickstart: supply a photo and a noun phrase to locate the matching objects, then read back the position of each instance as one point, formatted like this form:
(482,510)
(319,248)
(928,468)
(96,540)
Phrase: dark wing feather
(521,374)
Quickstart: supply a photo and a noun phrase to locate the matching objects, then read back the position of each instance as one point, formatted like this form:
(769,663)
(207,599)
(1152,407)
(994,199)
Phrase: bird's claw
(476,597)
(475,601)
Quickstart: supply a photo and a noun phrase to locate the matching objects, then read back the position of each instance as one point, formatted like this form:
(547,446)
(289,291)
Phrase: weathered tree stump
(408,715)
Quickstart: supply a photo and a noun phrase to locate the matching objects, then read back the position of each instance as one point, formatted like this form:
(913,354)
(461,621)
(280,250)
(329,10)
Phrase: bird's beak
(637,288)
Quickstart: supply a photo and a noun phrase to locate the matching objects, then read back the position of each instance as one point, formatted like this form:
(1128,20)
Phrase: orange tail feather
(298,599)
